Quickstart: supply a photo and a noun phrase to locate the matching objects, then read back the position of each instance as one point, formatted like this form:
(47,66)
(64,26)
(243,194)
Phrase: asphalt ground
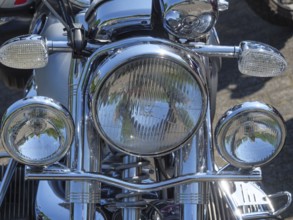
(235,25)
(238,24)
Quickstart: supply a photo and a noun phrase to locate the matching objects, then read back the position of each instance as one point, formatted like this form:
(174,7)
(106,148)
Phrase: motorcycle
(116,122)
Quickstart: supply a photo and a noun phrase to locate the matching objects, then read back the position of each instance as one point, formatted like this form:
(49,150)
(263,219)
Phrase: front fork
(195,157)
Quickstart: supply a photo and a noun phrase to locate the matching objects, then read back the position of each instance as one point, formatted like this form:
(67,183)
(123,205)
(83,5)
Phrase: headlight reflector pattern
(37,131)
(250,135)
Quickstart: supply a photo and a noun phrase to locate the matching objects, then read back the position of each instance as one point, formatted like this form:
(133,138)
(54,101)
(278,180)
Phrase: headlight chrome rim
(43,103)
(139,51)
(236,112)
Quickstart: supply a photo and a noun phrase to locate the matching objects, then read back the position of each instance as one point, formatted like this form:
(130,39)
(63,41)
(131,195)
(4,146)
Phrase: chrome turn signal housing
(250,135)
(261,60)
(37,131)
(24,52)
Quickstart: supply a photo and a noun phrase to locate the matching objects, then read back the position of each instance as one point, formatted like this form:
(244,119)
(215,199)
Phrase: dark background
(237,24)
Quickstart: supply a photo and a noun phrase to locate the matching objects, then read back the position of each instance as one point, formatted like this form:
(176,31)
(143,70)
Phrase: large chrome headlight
(250,135)
(37,131)
(147,100)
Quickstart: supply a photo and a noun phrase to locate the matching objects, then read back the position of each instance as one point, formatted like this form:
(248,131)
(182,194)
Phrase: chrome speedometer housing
(148,99)
(189,19)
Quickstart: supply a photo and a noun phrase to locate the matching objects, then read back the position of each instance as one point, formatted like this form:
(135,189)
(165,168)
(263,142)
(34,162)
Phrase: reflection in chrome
(223,5)
(37,131)
(81,3)
(109,19)
(57,207)
(4,20)
(250,134)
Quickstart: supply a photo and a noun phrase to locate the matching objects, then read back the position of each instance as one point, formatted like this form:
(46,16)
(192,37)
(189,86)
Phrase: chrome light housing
(262,60)
(37,131)
(24,52)
(189,19)
(250,134)
(148,99)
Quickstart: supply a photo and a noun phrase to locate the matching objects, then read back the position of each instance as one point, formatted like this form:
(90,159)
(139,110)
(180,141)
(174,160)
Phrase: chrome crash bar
(59,172)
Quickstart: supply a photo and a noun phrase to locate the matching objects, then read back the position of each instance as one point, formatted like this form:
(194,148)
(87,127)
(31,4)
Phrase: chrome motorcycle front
(116,122)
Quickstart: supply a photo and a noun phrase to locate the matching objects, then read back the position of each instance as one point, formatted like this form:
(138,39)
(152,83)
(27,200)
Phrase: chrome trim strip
(286,206)
(80,3)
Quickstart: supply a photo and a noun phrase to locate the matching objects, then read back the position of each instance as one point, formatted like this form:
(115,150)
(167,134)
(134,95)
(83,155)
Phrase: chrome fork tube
(84,154)
(193,196)
(195,157)
(131,212)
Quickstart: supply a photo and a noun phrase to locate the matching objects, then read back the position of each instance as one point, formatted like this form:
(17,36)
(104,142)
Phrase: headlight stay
(147,100)
(37,131)
(250,134)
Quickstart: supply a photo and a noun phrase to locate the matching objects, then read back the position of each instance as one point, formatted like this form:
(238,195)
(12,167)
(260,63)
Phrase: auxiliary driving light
(250,134)
(37,131)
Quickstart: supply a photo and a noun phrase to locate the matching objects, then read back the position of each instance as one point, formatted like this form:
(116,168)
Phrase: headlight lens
(37,131)
(250,134)
(149,106)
